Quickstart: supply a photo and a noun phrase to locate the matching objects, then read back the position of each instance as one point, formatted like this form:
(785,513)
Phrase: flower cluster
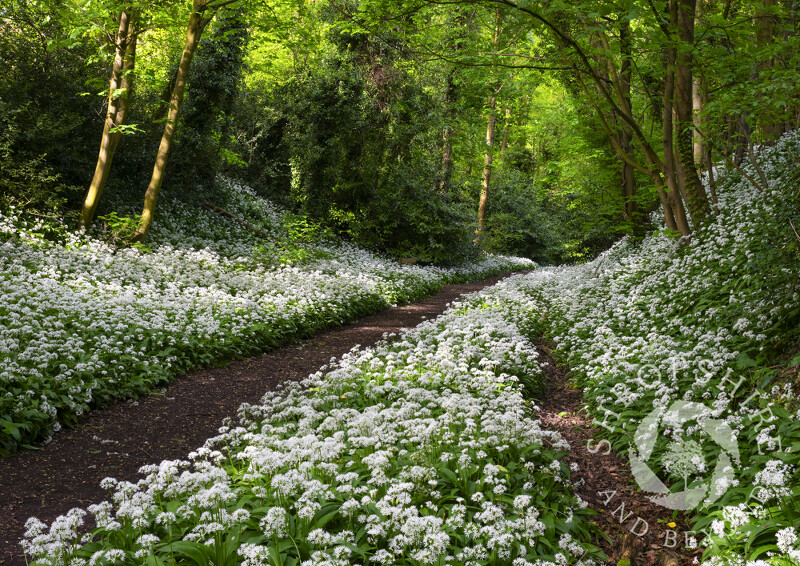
(83,324)
(420,450)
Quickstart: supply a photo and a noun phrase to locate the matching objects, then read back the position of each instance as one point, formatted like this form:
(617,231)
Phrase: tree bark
(489,151)
(699,91)
(630,206)
(162,109)
(697,108)
(504,140)
(119,88)
(692,185)
(448,134)
(671,203)
(193,32)
(674,212)
(487,167)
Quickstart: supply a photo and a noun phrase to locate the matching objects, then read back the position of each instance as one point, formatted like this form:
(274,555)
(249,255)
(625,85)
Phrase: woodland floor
(636,528)
(117,441)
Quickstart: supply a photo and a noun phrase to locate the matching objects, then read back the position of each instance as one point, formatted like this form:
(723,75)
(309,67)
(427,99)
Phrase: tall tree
(203,11)
(682,14)
(490,127)
(487,166)
(119,91)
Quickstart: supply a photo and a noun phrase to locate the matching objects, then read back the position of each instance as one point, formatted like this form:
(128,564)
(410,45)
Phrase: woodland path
(117,441)
(637,528)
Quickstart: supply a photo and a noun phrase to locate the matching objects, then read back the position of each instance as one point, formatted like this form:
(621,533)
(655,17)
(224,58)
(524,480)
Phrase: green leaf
(744,361)
(198,553)
(154,560)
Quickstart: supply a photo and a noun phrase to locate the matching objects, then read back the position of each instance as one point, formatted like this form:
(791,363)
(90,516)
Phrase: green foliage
(119,231)
(302,229)
(299,245)
(523,223)
(350,143)
(556,194)
(409,218)
(27,182)
(47,144)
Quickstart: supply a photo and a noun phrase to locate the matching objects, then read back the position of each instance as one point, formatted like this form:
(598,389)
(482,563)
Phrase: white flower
(274,522)
(785,539)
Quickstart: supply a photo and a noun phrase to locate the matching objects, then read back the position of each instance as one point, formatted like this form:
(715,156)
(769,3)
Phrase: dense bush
(351,143)
(48,131)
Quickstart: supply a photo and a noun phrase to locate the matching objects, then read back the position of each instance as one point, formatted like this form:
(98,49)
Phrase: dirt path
(116,442)
(638,529)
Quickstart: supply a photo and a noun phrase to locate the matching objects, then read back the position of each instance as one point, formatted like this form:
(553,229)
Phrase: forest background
(416,128)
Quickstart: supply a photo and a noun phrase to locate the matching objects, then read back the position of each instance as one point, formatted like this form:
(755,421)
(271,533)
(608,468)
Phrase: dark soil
(116,442)
(605,482)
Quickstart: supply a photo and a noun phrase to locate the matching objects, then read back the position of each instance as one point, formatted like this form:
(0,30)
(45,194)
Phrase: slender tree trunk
(672,205)
(712,183)
(489,150)
(504,139)
(630,208)
(487,167)
(741,139)
(667,125)
(697,109)
(698,104)
(692,185)
(193,32)
(447,159)
(671,197)
(119,88)
(448,133)
(772,127)
(162,109)
(674,211)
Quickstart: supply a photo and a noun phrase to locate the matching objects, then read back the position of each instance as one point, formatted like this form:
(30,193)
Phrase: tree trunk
(697,109)
(119,87)
(630,206)
(487,161)
(698,104)
(692,185)
(672,205)
(487,167)
(772,127)
(671,198)
(504,140)
(448,133)
(162,109)
(193,32)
